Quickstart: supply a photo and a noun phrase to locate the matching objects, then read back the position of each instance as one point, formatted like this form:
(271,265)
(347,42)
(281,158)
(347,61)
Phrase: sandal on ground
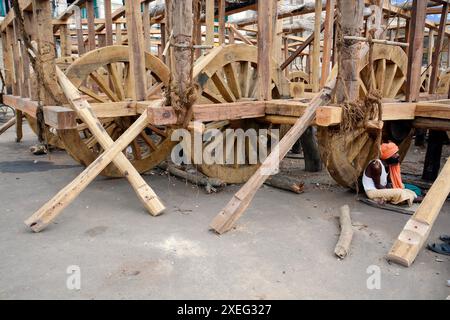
(445,238)
(441,248)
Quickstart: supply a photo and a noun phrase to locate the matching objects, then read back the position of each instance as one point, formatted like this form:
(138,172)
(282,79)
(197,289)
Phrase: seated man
(375,178)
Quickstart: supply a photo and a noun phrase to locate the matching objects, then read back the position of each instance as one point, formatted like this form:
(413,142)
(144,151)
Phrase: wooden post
(79,28)
(147,27)
(413,237)
(222,21)
(42,12)
(136,50)
(210,22)
(182,90)
(65,41)
(118,34)
(108,23)
(351,20)
(430,56)
(327,41)
(316,47)
(433,156)
(91,24)
(267,18)
(415,53)
(438,49)
(197,27)
(30,29)
(7,62)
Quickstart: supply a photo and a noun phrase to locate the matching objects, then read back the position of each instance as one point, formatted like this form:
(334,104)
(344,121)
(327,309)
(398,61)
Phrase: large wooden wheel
(346,155)
(104,76)
(228,77)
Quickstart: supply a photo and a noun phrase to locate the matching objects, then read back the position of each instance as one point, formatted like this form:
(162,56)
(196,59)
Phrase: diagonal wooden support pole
(225,220)
(49,211)
(413,237)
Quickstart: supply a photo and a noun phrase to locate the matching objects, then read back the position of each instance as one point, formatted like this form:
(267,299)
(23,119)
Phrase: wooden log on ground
(413,237)
(11,122)
(342,248)
(210,184)
(284,182)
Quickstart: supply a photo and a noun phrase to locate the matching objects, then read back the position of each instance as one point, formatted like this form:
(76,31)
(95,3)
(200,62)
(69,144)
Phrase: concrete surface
(282,248)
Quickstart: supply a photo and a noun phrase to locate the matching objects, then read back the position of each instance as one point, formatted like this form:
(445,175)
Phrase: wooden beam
(60,118)
(438,49)
(91,24)
(221,9)
(210,22)
(415,52)
(108,23)
(351,20)
(328,41)
(415,233)
(267,12)
(136,50)
(181,86)
(316,47)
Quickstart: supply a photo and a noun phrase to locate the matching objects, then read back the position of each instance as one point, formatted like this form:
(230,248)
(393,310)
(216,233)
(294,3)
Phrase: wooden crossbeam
(45,215)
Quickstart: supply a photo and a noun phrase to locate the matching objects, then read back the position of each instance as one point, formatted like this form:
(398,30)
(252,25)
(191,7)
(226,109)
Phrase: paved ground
(281,249)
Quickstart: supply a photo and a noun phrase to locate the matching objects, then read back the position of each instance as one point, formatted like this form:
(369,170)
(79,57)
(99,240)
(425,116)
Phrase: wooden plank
(229,111)
(267,13)
(438,50)
(46,214)
(136,49)
(108,23)
(60,118)
(210,22)
(433,110)
(162,116)
(79,30)
(146,25)
(415,52)
(91,24)
(221,8)
(415,233)
(327,41)
(315,76)
(23,104)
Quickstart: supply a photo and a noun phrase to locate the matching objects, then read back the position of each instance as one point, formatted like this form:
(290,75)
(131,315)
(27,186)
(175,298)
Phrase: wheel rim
(232,76)
(104,76)
(346,155)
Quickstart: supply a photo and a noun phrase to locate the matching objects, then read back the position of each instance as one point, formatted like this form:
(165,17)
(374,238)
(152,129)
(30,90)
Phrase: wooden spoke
(381,73)
(232,80)
(221,86)
(391,70)
(92,94)
(103,85)
(148,140)
(158,131)
(116,81)
(244,77)
(156,88)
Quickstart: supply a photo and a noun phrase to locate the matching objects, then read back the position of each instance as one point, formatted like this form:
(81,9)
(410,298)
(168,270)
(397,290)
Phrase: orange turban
(388,150)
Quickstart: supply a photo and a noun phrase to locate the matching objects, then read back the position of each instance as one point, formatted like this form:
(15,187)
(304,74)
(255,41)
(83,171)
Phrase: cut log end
(342,248)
